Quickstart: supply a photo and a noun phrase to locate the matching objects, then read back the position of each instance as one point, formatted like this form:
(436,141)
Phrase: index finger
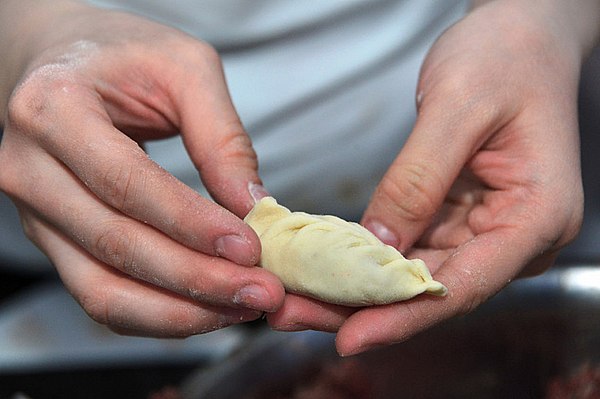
(122,175)
(450,127)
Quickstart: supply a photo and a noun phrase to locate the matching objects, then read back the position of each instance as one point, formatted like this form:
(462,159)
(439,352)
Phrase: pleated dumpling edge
(335,261)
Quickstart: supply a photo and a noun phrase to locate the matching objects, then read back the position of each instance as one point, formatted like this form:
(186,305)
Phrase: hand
(140,251)
(487,187)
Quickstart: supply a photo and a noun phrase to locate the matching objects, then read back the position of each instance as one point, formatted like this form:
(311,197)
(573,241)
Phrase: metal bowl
(534,332)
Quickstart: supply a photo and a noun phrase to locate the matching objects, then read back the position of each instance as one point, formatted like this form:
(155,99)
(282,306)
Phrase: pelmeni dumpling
(339,262)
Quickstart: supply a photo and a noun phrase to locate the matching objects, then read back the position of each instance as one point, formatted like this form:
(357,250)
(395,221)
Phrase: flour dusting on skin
(62,66)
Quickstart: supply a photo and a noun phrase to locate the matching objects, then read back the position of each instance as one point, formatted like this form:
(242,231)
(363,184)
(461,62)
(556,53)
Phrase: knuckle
(205,288)
(116,244)
(575,221)
(413,192)
(473,98)
(194,53)
(572,230)
(467,98)
(184,323)
(567,209)
(208,53)
(122,183)
(116,184)
(459,84)
(472,287)
(441,84)
(32,102)
(95,304)
(469,304)
(235,146)
(30,225)
(568,233)
(25,105)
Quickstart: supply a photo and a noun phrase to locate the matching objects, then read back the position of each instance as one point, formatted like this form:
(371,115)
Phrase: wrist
(576,21)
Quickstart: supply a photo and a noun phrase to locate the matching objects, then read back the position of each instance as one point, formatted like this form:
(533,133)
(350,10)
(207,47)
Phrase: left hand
(488,186)
(81,90)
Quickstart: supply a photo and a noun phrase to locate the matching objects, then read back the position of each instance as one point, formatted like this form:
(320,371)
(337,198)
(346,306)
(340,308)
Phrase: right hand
(139,250)
(488,186)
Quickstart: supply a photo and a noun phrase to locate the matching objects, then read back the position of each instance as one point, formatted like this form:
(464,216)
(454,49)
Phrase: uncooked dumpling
(335,261)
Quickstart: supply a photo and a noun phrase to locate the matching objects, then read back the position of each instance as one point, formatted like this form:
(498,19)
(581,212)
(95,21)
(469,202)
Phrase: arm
(488,185)
(138,249)
(578,19)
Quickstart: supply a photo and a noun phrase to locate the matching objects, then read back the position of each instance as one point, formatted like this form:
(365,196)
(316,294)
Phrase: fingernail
(254,297)
(360,349)
(257,191)
(236,249)
(383,233)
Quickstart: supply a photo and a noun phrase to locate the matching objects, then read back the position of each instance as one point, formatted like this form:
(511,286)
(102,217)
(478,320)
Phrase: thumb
(217,143)
(444,138)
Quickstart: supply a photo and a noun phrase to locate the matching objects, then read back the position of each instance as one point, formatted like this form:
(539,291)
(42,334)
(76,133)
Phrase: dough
(335,261)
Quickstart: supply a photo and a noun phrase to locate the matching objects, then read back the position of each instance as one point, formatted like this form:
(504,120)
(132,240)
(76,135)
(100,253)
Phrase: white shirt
(325,89)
